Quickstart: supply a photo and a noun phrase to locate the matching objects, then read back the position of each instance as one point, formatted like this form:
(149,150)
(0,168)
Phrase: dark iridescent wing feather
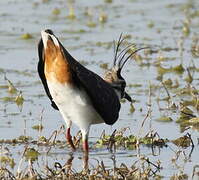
(40,69)
(102,95)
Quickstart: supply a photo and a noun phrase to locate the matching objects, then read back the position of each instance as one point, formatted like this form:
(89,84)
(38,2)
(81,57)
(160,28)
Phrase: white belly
(74,105)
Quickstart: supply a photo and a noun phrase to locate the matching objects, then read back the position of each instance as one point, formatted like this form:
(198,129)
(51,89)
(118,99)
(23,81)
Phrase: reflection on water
(52,163)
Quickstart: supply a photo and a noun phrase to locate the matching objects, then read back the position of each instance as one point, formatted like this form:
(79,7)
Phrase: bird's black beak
(128,97)
(49,31)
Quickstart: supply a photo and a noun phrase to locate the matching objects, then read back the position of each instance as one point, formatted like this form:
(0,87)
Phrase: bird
(80,95)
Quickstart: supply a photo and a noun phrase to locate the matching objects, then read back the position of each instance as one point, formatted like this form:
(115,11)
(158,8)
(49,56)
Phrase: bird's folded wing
(102,95)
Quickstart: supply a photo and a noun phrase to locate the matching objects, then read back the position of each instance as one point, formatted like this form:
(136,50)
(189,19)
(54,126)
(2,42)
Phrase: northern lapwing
(81,96)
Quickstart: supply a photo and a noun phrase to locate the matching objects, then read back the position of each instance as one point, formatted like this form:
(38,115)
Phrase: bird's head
(51,44)
(113,75)
(48,38)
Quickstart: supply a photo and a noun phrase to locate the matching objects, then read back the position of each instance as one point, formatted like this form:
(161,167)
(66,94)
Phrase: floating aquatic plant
(184,141)
(7,160)
(71,14)
(165,119)
(117,139)
(31,154)
(26,36)
(38,127)
(19,99)
(103,17)
(56,11)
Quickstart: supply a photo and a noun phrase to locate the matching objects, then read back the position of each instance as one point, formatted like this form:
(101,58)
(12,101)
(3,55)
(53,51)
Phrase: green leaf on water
(168,83)
(165,119)
(150,24)
(38,127)
(56,11)
(26,36)
(178,69)
(23,138)
(42,139)
(6,160)
(103,18)
(186,29)
(132,108)
(71,14)
(31,154)
(19,99)
(8,99)
(91,24)
(183,141)
(11,88)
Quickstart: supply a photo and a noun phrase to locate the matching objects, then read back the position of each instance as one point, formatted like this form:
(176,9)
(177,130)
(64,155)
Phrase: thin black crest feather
(120,40)
(122,54)
(124,62)
(121,58)
(125,50)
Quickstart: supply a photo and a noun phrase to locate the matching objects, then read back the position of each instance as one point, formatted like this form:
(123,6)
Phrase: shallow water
(157,24)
